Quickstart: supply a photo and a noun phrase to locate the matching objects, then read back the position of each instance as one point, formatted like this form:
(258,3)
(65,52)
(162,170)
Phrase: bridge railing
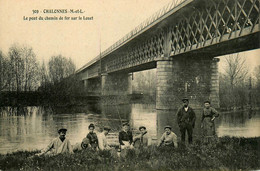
(149,21)
(201,24)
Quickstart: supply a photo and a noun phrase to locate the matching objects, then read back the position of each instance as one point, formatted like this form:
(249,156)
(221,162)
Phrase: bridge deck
(188,27)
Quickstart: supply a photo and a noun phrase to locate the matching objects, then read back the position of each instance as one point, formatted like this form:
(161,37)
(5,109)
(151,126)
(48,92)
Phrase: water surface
(33,128)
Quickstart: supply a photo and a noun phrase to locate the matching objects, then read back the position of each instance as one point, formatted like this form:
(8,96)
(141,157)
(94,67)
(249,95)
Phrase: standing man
(102,139)
(207,121)
(186,120)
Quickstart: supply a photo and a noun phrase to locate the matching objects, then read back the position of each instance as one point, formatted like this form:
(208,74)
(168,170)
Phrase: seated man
(142,140)
(102,139)
(125,137)
(168,138)
(58,145)
(81,146)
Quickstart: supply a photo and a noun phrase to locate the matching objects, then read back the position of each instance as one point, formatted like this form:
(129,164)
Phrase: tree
(256,87)
(60,68)
(257,76)
(31,66)
(17,66)
(24,68)
(4,72)
(236,69)
(234,82)
(44,80)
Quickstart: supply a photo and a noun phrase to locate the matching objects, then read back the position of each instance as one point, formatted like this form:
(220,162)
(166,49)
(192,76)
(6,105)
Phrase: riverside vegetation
(228,153)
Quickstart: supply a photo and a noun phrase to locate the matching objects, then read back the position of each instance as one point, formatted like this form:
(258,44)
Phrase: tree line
(239,88)
(21,71)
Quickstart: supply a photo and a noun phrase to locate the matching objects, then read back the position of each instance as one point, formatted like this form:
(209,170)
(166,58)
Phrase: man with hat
(186,120)
(142,140)
(168,138)
(102,139)
(58,145)
(125,137)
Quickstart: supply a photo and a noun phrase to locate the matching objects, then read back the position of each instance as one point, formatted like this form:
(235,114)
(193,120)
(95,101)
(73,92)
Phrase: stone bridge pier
(193,77)
(116,88)
(92,86)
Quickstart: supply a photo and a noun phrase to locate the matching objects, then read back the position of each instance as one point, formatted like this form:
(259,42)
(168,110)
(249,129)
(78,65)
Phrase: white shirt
(102,141)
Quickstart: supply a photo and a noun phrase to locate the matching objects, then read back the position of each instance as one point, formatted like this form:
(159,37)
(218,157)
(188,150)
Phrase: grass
(226,154)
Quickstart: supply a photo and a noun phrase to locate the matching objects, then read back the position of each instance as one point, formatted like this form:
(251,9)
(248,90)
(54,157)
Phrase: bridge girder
(199,27)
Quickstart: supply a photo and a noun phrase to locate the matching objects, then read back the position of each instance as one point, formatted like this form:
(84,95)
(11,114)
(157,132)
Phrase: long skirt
(208,130)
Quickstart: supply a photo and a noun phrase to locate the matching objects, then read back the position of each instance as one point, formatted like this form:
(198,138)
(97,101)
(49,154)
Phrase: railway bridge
(182,41)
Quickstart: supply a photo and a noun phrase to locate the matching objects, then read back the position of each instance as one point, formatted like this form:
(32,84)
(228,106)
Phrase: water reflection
(30,128)
(241,124)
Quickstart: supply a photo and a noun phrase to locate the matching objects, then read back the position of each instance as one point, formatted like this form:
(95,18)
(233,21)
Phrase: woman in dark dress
(207,122)
(92,136)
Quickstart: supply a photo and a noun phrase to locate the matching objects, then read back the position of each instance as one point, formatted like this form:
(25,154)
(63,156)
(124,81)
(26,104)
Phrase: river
(32,128)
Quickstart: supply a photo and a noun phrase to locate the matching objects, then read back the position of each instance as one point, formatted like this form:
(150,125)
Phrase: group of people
(186,118)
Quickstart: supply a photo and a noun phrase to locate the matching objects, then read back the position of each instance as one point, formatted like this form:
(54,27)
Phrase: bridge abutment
(195,78)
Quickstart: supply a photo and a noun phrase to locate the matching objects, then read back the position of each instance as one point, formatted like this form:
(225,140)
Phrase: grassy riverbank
(227,154)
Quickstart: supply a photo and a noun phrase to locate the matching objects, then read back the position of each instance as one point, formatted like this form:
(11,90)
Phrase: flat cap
(62,130)
(142,127)
(207,101)
(168,126)
(184,99)
(107,128)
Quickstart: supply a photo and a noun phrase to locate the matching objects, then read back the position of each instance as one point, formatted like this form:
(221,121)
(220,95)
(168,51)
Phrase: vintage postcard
(129,85)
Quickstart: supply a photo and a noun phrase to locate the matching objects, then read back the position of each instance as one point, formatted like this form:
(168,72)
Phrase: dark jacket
(184,118)
(93,140)
(125,136)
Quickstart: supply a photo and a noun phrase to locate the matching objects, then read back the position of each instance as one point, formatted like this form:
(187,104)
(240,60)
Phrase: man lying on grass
(58,145)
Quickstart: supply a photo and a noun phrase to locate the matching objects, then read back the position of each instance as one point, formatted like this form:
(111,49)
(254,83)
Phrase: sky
(81,40)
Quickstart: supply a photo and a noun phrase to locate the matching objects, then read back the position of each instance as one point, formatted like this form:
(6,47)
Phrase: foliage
(4,71)
(59,68)
(226,154)
(19,69)
(237,88)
